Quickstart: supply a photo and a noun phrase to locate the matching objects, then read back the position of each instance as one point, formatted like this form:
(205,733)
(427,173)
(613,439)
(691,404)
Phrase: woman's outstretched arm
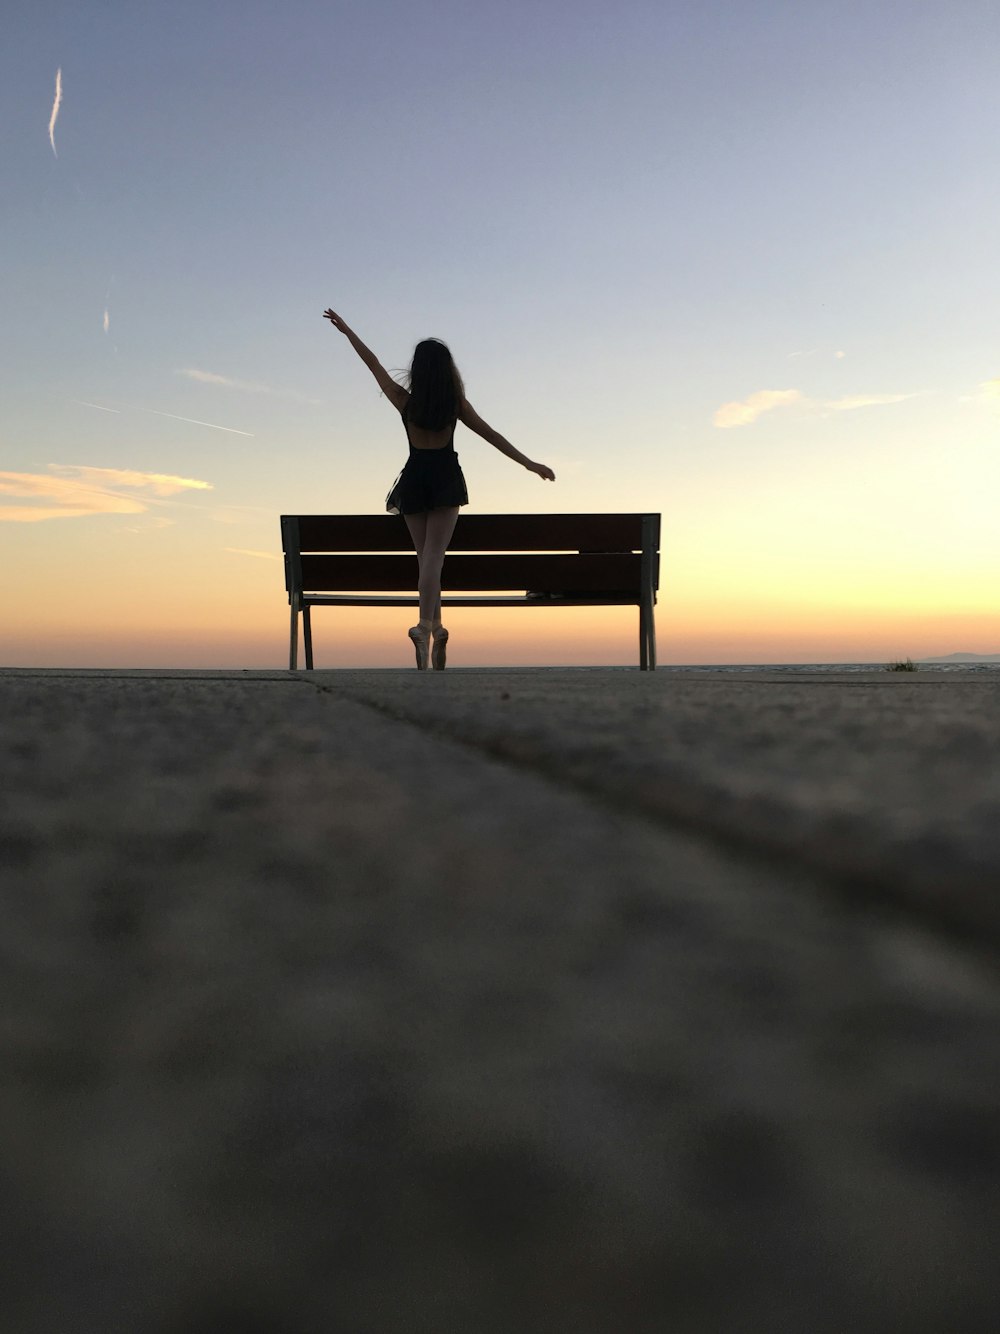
(468,414)
(394,392)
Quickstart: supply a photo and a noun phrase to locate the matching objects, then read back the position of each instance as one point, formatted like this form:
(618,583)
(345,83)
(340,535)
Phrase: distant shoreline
(926,668)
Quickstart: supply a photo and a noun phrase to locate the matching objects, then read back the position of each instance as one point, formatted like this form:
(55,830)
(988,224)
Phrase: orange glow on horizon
(198,598)
(569,636)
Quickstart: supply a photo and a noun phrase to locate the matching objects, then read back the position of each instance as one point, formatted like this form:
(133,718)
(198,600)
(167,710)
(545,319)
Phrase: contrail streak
(172,415)
(245,551)
(84,404)
(107,320)
(195,422)
(55,110)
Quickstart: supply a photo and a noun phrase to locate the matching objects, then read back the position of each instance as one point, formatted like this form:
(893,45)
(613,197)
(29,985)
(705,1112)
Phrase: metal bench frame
(521,560)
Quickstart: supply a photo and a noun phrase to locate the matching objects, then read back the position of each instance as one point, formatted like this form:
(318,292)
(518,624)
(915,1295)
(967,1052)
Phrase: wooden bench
(520,560)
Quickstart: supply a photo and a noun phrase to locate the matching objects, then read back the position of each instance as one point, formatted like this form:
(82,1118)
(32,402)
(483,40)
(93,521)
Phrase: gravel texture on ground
(889,783)
(316,1019)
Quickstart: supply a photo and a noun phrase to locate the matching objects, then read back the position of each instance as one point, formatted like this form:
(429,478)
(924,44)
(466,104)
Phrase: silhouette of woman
(431,487)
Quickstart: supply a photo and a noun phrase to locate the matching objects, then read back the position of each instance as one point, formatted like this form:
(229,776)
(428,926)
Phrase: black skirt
(432,479)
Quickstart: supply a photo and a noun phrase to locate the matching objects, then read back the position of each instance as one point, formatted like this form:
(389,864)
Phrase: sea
(986,668)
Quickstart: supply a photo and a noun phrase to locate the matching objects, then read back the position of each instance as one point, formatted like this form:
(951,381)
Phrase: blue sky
(622,220)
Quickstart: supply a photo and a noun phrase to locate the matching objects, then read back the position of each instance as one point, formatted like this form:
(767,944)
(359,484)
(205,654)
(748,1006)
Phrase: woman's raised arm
(394,392)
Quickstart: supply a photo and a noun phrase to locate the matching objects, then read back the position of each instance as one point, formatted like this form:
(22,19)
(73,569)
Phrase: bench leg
(293,637)
(647,637)
(307,637)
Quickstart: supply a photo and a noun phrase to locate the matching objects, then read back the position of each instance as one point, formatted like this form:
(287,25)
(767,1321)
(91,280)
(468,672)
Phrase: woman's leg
(419,634)
(417,524)
(438,529)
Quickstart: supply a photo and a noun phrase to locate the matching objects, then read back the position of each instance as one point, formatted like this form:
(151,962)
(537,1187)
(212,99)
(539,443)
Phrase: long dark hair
(436,388)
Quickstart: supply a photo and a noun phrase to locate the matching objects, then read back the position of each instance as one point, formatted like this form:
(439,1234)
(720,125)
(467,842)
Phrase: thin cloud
(810,353)
(246,551)
(71,491)
(987,394)
(55,111)
(160,483)
(852,403)
(107,304)
(152,525)
(47,497)
(747,411)
(232,515)
(209,377)
(245,386)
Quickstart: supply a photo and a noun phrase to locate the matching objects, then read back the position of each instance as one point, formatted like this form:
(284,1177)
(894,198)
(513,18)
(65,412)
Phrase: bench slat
(476,532)
(627,599)
(482,573)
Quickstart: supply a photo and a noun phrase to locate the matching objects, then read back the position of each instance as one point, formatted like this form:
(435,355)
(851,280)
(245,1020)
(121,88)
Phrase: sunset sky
(735,264)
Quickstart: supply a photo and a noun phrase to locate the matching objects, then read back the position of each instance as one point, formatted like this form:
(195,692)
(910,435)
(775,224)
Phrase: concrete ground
(594,1002)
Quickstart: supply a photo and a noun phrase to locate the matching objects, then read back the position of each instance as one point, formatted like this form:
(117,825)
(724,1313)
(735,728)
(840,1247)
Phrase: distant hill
(966,657)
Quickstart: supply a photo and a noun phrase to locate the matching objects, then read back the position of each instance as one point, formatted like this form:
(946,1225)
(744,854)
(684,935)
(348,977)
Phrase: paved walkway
(583,1001)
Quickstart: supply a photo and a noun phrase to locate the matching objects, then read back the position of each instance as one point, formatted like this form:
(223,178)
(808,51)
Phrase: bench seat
(519,560)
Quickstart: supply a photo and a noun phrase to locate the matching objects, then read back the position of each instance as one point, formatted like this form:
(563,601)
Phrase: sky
(734,264)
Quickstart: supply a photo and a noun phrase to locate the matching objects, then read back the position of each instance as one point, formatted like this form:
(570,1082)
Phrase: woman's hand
(335,320)
(545,473)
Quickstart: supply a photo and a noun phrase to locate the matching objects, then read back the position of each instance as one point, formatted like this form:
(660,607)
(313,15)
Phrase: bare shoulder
(471,418)
(393,391)
(468,415)
(397,395)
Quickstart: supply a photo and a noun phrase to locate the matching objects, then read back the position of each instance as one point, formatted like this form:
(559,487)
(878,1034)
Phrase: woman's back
(422,438)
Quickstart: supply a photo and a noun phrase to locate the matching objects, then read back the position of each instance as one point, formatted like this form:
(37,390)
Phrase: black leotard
(432,478)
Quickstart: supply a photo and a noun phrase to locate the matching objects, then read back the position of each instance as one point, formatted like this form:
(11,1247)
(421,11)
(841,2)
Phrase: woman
(431,486)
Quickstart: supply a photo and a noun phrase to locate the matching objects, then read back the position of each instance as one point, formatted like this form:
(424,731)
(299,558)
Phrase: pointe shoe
(439,652)
(421,642)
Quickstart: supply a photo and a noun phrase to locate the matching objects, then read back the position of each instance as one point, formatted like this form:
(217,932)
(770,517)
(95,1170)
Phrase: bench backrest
(601,553)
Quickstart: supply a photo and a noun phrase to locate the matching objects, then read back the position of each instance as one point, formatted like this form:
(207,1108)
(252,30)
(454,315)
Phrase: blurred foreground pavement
(521,1002)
